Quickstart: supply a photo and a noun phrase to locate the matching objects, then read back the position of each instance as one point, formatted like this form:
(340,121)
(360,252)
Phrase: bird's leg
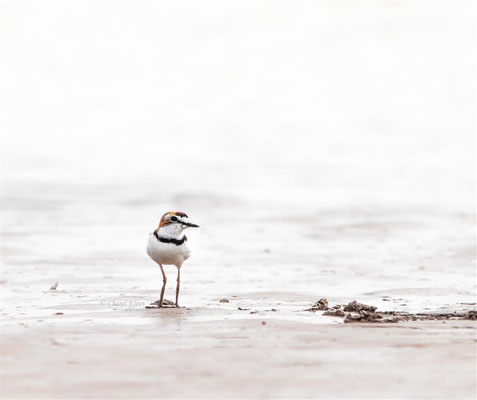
(178,285)
(164,280)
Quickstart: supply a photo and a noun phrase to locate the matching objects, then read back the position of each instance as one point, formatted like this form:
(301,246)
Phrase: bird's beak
(190,224)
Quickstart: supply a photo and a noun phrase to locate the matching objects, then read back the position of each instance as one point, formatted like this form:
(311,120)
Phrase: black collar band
(177,242)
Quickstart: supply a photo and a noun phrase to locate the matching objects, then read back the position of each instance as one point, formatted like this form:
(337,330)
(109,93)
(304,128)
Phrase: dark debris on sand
(354,306)
(335,312)
(320,305)
(357,312)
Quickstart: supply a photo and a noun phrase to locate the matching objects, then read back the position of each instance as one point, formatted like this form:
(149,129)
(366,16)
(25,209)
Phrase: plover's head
(174,222)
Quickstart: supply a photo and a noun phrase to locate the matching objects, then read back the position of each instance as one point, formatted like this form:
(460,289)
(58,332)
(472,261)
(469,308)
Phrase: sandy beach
(92,336)
(193,353)
(327,150)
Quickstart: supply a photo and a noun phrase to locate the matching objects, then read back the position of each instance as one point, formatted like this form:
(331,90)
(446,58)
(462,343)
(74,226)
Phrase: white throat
(173,231)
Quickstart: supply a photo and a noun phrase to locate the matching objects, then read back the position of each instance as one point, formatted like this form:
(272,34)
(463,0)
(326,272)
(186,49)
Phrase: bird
(167,245)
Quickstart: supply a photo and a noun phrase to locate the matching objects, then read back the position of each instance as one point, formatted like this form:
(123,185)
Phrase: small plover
(167,245)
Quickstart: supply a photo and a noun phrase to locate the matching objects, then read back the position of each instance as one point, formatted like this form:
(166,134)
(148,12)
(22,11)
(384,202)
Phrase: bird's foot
(165,304)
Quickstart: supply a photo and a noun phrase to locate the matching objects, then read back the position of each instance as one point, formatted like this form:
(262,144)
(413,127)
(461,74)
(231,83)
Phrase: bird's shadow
(165,304)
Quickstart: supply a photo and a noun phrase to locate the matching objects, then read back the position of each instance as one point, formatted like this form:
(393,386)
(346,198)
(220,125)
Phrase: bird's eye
(173,219)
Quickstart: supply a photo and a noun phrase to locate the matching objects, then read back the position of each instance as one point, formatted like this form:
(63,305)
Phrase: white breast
(167,253)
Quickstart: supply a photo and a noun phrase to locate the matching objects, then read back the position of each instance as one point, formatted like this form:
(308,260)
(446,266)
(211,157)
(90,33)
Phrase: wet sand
(91,336)
(197,353)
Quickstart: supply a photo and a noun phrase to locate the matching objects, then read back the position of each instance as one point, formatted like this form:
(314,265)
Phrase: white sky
(362,101)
